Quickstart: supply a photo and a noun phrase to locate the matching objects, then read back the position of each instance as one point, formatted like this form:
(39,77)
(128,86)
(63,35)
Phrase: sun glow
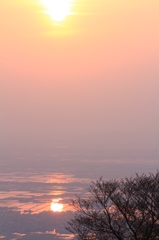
(57,9)
(56,207)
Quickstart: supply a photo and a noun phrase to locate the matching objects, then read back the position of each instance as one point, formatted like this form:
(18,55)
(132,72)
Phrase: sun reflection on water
(56,207)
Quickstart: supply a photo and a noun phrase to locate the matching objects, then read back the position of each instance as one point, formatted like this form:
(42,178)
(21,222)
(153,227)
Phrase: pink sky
(91,80)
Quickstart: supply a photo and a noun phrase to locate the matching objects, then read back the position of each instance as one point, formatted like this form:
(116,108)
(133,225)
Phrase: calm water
(35,189)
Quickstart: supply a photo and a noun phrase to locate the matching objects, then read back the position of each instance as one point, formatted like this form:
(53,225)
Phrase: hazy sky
(90,80)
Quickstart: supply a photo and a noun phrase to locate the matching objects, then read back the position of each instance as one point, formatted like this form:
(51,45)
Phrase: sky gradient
(91,80)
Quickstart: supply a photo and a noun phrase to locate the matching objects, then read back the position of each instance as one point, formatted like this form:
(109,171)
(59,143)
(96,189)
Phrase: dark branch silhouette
(118,209)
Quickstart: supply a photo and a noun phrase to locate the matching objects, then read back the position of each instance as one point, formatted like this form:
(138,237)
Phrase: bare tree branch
(126,209)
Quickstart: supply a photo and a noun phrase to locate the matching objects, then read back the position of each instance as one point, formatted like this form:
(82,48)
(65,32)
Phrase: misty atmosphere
(79,99)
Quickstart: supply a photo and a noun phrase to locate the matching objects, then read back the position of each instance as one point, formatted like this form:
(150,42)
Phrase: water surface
(35,189)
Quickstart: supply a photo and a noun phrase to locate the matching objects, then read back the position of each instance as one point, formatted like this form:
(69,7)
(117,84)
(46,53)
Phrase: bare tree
(118,209)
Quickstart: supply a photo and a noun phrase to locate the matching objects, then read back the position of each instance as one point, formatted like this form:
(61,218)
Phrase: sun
(57,9)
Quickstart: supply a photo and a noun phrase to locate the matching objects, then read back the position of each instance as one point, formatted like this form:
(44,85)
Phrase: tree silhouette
(125,209)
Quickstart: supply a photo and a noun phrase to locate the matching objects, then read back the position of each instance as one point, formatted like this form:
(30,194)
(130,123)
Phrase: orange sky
(102,34)
(92,76)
